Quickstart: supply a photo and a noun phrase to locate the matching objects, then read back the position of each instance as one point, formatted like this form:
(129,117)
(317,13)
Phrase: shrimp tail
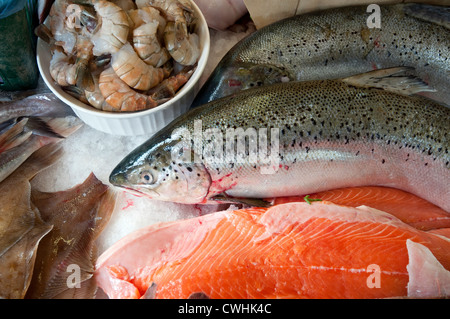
(170,86)
(44,33)
(85,80)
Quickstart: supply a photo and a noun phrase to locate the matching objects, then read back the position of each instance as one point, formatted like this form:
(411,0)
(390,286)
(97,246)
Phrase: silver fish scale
(337,43)
(347,137)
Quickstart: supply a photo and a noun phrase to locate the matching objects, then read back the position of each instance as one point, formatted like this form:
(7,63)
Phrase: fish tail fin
(14,136)
(43,32)
(439,15)
(40,127)
(389,79)
(64,126)
(44,157)
(85,79)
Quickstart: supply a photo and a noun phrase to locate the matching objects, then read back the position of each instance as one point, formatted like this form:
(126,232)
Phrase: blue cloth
(8,7)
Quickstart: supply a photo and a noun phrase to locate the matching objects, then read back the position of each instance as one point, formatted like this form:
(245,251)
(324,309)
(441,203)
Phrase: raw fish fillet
(407,207)
(441,231)
(292,250)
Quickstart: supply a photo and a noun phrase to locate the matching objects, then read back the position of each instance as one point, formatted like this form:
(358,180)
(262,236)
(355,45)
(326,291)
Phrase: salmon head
(157,173)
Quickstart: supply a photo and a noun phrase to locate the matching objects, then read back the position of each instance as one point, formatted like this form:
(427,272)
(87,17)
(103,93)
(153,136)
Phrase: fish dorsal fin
(390,80)
(439,15)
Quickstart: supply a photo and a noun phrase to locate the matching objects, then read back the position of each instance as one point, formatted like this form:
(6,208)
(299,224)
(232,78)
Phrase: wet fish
(22,140)
(78,215)
(13,135)
(21,227)
(292,250)
(11,159)
(305,137)
(38,105)
(338,43)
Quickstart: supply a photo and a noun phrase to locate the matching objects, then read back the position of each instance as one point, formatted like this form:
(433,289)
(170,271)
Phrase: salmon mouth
(134,191)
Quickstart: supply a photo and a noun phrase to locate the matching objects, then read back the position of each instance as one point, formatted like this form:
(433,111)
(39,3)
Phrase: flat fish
(20,140)
(37,105)
(292,250)
(21,226)
(78,215)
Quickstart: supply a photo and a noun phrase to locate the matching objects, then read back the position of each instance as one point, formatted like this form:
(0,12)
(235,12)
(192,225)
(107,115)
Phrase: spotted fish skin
(331,135)
(337,43)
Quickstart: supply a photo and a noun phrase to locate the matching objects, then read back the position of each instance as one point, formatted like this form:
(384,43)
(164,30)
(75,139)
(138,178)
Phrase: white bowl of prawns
(119,108)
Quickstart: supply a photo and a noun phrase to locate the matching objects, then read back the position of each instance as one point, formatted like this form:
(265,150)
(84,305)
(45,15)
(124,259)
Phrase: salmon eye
(147,177)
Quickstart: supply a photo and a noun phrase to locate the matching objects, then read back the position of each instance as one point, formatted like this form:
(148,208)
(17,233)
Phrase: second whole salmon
(338,43)
(292,139)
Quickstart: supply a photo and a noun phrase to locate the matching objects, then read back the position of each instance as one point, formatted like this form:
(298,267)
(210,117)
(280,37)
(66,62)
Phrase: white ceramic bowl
(135,123)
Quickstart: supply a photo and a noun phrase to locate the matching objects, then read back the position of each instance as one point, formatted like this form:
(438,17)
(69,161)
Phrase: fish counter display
(313,164)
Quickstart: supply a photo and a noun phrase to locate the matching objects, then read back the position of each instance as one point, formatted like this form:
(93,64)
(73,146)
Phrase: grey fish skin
(38,105)
(331,135)
(11,159)
(337,43)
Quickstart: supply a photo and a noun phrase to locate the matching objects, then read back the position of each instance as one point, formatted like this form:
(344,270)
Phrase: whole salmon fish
(296,138)
(338,43)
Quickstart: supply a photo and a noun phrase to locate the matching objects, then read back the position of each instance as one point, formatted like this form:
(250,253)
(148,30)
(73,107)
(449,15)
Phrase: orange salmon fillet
(409,208)
(292,250)
(441,231)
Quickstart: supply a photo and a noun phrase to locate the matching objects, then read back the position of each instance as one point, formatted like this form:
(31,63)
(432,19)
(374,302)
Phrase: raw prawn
(147,45)
(146,40)
(182,46)
(135,72)
(120,96)
(63,36)
(174,10)
(113,27)
(169,87)
(96,98)
(65,71)
(185,51)
(128,36)
(62,70)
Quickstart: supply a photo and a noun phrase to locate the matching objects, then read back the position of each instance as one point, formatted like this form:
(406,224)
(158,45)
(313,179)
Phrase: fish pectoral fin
(254,202)
(435,14)
(198,295)
(104,211)
(150,293)
(38,126)
(266,74)
(390,79)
